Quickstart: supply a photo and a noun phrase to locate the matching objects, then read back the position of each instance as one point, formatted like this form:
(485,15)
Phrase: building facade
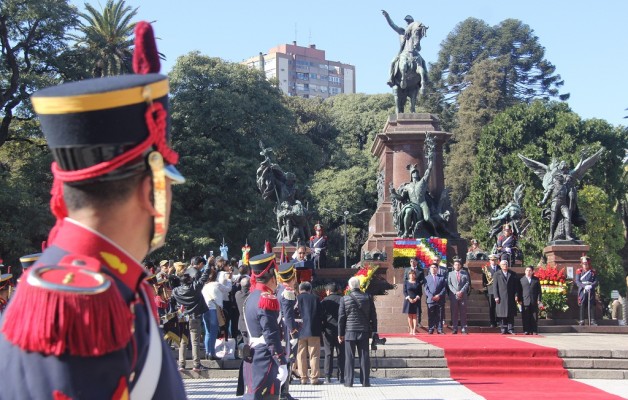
(304,71)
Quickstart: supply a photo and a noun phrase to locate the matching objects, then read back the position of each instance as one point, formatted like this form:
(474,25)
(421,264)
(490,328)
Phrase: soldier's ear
(409,167)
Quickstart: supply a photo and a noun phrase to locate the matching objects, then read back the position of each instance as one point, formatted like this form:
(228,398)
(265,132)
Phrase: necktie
(458,275)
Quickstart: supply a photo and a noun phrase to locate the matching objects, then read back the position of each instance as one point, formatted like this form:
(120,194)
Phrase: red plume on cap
(145,55)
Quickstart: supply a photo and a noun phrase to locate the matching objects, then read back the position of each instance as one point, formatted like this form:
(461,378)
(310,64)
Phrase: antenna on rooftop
(310,37)
(295,32)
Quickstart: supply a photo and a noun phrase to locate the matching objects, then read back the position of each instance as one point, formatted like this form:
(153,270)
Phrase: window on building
(313,75)
(334,79)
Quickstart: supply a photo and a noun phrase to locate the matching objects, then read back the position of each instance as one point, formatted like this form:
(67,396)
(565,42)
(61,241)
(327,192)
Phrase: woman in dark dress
(411,302)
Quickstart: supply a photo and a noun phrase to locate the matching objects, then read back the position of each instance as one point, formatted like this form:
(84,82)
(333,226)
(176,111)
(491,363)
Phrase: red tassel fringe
(59,322)
(268,303)
(145,55)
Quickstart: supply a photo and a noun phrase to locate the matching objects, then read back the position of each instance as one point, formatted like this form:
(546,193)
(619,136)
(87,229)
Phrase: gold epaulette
(289,294)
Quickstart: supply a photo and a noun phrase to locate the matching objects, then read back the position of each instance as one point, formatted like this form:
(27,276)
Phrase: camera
(375,340)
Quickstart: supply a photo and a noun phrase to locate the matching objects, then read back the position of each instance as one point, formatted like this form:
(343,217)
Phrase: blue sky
(586,41)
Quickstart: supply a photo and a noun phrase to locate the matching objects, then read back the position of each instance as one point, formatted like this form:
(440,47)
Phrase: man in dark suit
(435,288)
(309,334)
(357,321)
(458,282)
(531,290)
(507,291)
(330,306)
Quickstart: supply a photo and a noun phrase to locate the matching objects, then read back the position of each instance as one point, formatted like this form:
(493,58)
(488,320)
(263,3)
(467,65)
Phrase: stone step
(597,374)
(596,363)
(411,373)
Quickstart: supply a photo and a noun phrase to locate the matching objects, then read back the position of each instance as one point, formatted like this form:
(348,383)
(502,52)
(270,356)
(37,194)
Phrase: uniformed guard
(287,277)
(318,247)
(82,322)
(264,369)
(587,282)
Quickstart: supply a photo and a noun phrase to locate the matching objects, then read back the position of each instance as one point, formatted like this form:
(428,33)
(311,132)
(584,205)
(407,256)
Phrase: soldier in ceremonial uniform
(487,281)
(287,278)
(264,369)
(82,323)
(318,247)
(586,280)
(507,245)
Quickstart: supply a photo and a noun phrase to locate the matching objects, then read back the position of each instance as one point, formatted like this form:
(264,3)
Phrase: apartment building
(304,71)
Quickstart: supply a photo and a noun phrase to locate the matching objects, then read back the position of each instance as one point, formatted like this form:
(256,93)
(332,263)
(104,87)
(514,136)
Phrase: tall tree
(106,38)
(482,99)
(528,75)
(32,34)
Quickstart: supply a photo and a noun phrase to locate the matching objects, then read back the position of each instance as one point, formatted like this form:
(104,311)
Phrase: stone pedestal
(565,255)
(399,145)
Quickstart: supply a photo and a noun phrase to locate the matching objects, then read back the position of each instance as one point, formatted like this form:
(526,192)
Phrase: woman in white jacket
(213,293)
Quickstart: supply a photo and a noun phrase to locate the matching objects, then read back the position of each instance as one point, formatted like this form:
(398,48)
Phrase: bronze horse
(410,71)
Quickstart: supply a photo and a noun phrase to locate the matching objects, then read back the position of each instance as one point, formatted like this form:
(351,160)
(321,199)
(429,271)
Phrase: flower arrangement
(554,288)
(364,275)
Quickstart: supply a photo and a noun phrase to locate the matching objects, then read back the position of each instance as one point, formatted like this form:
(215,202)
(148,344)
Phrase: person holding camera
(357,318)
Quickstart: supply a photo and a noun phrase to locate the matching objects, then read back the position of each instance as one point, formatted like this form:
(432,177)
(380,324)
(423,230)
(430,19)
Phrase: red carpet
(500,367)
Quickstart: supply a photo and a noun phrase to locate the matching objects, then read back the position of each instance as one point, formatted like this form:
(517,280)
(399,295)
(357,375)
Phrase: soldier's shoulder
(49,297)
(268,301)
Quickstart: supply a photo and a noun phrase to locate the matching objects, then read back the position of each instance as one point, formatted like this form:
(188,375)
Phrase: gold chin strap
(160,202)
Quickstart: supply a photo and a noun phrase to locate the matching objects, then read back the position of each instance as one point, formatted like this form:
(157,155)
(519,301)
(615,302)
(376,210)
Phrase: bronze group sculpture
(416,213)
(559,185)
(280,187)
(408,71)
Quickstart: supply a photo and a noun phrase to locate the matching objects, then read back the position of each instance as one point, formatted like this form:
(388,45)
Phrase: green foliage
(25,182)
(554,302)
(540,131)
(604,233)
(348,182)
(106,39)
(527,74)
(482,99)
(32,34)
(220,111)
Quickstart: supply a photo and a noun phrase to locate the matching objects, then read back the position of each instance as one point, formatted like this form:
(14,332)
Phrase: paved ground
(381,389)
(428,388)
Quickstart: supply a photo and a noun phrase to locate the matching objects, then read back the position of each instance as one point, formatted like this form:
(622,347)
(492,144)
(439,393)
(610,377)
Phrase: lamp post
(345,215)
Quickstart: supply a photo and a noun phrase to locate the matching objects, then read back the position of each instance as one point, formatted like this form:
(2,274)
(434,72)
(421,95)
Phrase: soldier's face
(457,266)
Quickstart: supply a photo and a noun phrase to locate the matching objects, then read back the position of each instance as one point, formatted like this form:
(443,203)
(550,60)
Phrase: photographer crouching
(357,318)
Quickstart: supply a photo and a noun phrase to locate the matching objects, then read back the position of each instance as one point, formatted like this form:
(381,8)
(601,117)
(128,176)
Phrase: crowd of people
(200,301)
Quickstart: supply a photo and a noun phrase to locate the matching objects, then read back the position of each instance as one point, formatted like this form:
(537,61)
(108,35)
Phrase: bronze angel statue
(560,187)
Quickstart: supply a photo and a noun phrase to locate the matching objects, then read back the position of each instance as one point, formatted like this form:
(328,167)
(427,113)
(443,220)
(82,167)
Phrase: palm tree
(107,38)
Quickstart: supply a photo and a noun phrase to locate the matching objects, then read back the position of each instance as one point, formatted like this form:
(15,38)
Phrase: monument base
(565,255)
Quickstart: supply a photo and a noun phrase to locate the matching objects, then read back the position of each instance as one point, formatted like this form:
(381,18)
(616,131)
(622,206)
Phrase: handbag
(222,321)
